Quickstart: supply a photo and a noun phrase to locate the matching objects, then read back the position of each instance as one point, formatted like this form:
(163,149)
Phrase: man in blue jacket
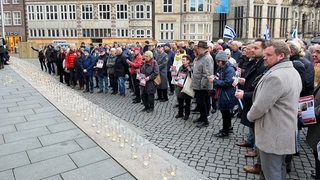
(87,65)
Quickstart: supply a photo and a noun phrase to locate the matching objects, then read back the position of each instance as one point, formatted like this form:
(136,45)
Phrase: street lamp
(2,19)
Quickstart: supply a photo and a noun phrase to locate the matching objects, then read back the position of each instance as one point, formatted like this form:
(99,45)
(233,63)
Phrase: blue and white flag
(266,33)
(295,33)
(228,32)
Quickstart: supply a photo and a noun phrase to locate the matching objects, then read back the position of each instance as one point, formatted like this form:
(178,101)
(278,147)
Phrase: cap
(203,44)
(221,56)
(160,45)
(220,41)
(219,47)
(227,51)
(149,54)
(135,48)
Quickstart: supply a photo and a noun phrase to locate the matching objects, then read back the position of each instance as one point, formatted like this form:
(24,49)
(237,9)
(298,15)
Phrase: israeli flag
(295,34)
(266,33)
(228,32)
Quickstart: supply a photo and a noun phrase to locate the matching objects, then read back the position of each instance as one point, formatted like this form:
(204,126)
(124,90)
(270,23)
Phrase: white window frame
(209,6)
(140,33)
(16,20)
(148,33)
(39,12)
(87,12)
(30,12)
(51,12)
(106,12)
(122,11)
(121,33)
(167,6)
(5,2)
(15,2)
(139,11)
(167,31)
(7,18)
(148,12)
(195,4)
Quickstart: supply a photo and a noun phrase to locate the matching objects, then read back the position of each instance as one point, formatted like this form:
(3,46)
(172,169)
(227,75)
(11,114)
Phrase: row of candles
(103,123)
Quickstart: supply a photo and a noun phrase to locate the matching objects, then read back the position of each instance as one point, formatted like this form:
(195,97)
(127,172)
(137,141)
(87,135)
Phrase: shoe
(106,91)
(185,117)
(197,120)
(256,169)
(178,116)
(114,93)
(136,101)
(149,110)
(144,109)
(297,154)
(163,100)
(85,91)
(176,106)
(244,144)
(91,92)
(100,91)
(202,125)
(195,111)
(171,93)
(213,111)
(313,175)
(251,154)
(158,99)
(221,134)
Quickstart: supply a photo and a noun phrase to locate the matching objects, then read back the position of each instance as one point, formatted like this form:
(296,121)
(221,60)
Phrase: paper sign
(306,105)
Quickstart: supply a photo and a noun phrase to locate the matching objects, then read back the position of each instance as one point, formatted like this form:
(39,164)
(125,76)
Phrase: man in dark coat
(2,53)
(120,69)
(41,57)
(171,55)
(162,60)
(87,67)
(102,71)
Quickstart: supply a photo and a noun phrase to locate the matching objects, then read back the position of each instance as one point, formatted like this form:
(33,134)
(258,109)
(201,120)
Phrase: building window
(196,5)
(52,13)
(166,31)
(284,19)
(122,33)
(64,12)
(148,33)
(39,12)
(185,5)
(16,17)
(238,20)
(96,33)
(257,18)
(7,18)
(5,1)
(68,12)
(122,11)
(41,33)
(167,6)
(222,23)
(87,11)
(148,12)
(53,32)
(271,19)
(30,13)
(140,33)
(139,12)
(15,2)
(104,11)
(73,33)
(65,32)
(209,6)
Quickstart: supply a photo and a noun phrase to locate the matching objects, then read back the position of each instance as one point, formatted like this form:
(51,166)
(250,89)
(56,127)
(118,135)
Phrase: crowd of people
(262,80)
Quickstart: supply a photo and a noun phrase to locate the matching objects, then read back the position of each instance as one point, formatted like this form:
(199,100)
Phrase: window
(196,5)
(222,23)
(64,12)
(167,6)
(257,18)
(166,31)
(16,17)
(185,6)
(209,6)
(53,32)
(104,11)
(73,33)
(139,12)
(30,13)
(148,33)
(96,33)
(284,22)
(122,33)
(5,1)
(15,2)
(271,19)
(52,13)
(238,20)
(39,13)
(140,33)
(7,18)
(148,12)
(122,11)
(87,11)
(41,33)
(65,32)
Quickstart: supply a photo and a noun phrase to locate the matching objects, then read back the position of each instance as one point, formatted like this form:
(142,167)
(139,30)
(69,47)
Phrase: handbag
(187,87)
(157,80)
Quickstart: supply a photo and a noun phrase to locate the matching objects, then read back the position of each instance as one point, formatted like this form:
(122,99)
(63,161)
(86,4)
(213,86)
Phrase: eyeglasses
(318,51)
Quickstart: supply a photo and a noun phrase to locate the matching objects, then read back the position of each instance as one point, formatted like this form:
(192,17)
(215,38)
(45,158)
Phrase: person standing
(51,57)
(60,58)
(162,60)
(120,70)
(274,110)
(77,69)
(2,52)
(110,70)
(202,71)
(149,71)
(135,66)
(41,57)
(69,66)
(170,53)
(87,65)
(102,71)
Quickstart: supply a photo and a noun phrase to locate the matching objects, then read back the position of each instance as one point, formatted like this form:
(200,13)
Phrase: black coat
(150,69)
(121,66)
(252,74)
(60,59)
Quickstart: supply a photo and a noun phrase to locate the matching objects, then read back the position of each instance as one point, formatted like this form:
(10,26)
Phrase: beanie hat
(221,56)
(149,54)
(87,50)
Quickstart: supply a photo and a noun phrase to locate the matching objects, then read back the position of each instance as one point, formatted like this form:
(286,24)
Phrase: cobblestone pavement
(216,158)
(38,142)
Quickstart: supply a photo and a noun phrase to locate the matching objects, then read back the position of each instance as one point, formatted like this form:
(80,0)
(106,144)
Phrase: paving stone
(44,169)
(44,109)
(25,107)
(36,124)
(7,175)
(13,161)
(61,136)
(3,110)
(86,142)
(43,115)
(61,127)
(12,120)
(17,113)
(125,176)
(7,129)
(7,105)
(55,150)
(4,101)
(25,134)
(57,177)
(89,156)
(1,139)
(101,170)
(18,146)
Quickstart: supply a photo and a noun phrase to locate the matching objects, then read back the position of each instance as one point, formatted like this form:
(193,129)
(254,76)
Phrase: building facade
(14,22)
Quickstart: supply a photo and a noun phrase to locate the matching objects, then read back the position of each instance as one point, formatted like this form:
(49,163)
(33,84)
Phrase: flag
(295,33)
(228,32)
(266,33)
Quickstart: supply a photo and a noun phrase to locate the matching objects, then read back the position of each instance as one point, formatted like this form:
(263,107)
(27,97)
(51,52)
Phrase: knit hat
(221,56)
(87,50)
(149,54)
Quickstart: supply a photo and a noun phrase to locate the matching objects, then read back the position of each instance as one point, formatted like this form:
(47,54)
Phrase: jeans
(89,83)
(122,88)
(250,137)
(298,140)
(50,67)
(105,79)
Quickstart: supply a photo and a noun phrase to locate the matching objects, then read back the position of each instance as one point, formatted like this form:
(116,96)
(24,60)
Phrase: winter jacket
(149,69)
(69,62)
(111,63)
(202,69)
(135,64)
(162,60)
(88,62)
(121,65)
